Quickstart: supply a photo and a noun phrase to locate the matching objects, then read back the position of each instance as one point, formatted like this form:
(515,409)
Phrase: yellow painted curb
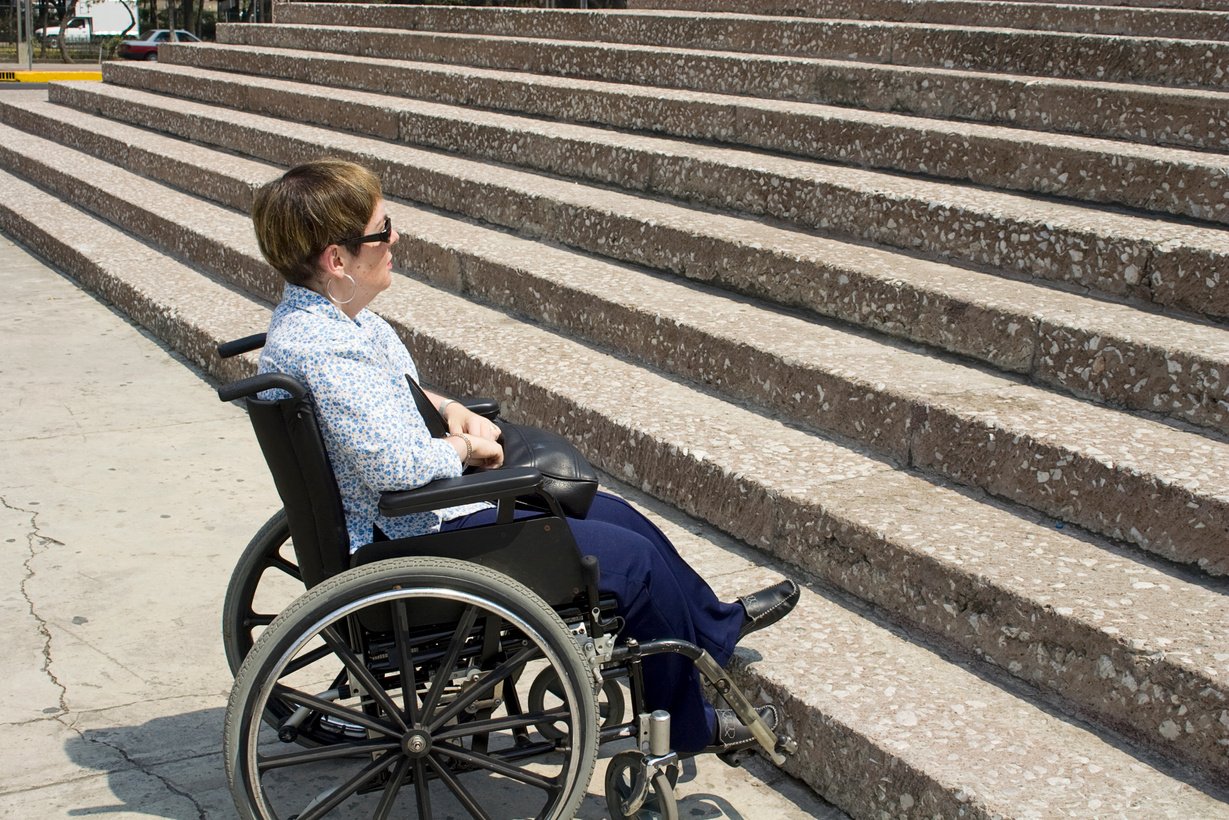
(48,76)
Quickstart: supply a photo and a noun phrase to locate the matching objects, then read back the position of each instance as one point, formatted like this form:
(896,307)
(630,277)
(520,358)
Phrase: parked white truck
(93,21)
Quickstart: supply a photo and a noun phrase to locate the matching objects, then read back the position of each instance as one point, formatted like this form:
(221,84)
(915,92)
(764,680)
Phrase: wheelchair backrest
(290,440)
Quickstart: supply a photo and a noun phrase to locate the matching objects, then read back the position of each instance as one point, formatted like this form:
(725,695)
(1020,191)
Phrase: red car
(147,47)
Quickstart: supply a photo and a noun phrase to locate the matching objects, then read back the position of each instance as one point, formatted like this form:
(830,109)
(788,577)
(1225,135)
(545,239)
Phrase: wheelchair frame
(408,658)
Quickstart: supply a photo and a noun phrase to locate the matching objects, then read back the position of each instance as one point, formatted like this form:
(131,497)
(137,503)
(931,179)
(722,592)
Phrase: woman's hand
(462,420)
(476,451)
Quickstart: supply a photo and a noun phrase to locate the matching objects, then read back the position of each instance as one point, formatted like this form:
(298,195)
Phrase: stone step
(1204,5)
(1048,15)
(1183,118)
(585,43)
(1165,180)
(870,706)
(1093,348)
(1170,264)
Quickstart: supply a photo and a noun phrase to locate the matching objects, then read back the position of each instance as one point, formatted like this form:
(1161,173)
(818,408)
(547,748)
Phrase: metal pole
(30,35)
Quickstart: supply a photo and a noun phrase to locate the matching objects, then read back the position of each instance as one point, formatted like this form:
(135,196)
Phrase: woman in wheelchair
(324,227)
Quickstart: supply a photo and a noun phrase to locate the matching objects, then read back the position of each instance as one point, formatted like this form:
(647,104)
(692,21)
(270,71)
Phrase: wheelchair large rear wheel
(439,707)
(264,582)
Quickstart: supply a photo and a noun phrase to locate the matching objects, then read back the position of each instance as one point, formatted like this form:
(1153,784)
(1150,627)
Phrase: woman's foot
(767,606)
(732,734)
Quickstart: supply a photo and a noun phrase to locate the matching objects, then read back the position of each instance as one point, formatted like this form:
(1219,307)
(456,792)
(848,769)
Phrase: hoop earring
(328,291)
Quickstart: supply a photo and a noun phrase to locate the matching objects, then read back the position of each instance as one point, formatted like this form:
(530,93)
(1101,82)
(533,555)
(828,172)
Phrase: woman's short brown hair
(308,208)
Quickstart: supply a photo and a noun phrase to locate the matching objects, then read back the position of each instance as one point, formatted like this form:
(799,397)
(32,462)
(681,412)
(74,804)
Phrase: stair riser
(1151,22)
(1114,59)
(779,524)
(1065,356)
(1184,119)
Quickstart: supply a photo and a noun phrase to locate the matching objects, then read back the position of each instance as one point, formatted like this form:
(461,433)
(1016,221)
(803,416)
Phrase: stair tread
(1160,60)
(1192,117)
(1105,19)
(987,202)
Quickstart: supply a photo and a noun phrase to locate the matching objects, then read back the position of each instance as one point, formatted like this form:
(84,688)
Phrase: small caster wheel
(631,793)
(545,692)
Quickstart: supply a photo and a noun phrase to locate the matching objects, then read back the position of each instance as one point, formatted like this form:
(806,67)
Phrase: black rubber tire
(389,584)
(611,705)
(241,622)
(660,803)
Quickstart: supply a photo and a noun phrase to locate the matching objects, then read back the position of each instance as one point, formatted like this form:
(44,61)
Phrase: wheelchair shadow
(171,767)
(168,767)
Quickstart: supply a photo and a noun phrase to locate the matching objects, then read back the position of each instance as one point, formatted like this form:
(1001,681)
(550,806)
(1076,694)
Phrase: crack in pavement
(36,544)
(166,783)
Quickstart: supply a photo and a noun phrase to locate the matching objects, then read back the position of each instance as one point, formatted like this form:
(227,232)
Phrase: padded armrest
(260,383)
(487,408)
(452,492)
(245,345)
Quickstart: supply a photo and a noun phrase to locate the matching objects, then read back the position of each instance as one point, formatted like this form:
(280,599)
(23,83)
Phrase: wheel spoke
(505,724)
(422,794)
(289,567)
(392,788)
(254,619)
(462,794)
(498,766)
(405,661)
(359,670)
(339,794)
(336,710)
(303,661)
(488,682)
(464,625)
(356,749)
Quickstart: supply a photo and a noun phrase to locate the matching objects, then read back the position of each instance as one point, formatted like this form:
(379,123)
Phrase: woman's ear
(330,261)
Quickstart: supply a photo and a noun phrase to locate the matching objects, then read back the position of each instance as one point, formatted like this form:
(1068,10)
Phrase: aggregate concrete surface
(126,494)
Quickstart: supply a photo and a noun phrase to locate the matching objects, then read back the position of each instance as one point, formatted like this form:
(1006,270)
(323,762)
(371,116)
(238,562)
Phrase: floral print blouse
(376,440)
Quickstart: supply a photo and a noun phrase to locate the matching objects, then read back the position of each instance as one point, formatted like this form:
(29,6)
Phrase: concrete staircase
(925,298)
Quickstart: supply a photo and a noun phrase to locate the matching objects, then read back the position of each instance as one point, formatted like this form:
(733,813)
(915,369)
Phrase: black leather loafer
(768,606)
(733,735)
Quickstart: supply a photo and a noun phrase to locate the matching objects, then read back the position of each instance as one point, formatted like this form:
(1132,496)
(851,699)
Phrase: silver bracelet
(469,446)
(444,406)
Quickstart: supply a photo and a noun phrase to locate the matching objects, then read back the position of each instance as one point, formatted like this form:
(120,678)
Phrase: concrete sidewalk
(127,492)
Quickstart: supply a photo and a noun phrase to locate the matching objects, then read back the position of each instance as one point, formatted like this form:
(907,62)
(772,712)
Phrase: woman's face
(372,266)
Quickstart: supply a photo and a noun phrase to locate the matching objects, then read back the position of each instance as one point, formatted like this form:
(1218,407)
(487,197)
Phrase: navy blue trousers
(660,596)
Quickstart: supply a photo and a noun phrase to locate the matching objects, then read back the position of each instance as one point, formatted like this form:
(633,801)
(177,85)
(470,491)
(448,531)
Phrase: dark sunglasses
(384,235)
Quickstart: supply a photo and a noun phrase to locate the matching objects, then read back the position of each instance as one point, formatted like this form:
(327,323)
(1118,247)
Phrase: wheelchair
(466,672)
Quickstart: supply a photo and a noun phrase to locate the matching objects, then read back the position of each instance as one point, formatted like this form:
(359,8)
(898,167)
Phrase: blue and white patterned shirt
(374,435)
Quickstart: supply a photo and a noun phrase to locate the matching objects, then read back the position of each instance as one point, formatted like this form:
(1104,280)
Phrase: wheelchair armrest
(259,383)
(452,492)
(487,408)
(245,345)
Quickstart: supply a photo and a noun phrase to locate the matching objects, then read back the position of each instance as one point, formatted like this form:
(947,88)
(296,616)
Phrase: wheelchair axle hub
(416,743)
